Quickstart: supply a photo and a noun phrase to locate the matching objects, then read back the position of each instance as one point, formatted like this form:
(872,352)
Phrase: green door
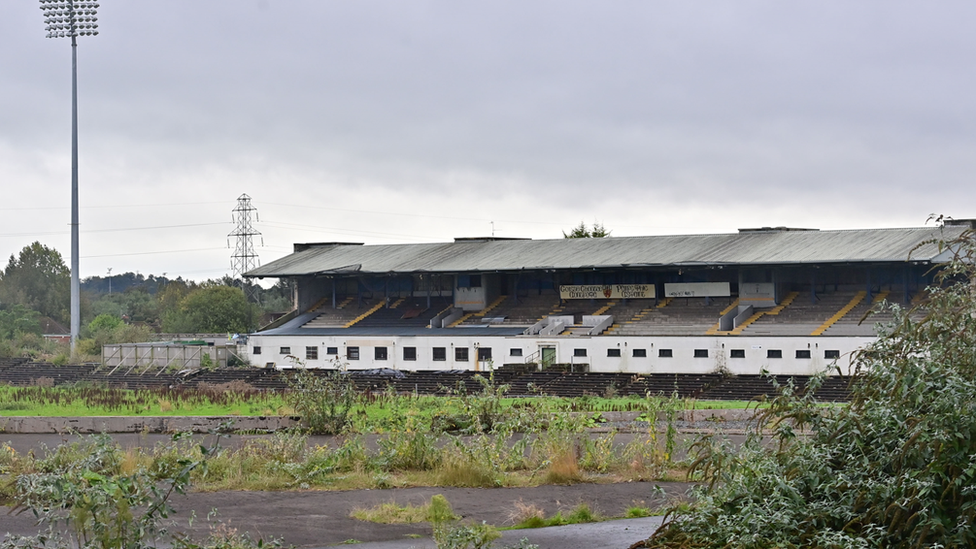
(548,356)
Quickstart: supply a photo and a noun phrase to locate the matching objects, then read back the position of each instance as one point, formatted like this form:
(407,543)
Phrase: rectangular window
(352,353)
(284,351)
(831,354)
(665,353)
(484,353)
(332,351)
(469,281)
(515,351)
(737,353)
(461,354)
(613,352)
(701,353)
(803,353)
(256,351)
(379,353)
(440,354)
(311,353)
(410,353)
(640,353)
(774,353)
(579,352)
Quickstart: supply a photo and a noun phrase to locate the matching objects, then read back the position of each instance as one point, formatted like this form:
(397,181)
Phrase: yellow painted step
(317,305)
(605,308)
(375,308)
(858,298)
(783,304)
(714,329)
(494,304)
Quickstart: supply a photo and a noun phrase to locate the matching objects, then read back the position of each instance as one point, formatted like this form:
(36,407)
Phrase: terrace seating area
(405,312)
(22,372)
(512,311)
(678,316)
(833,314)
(346,311)
(685,385)
(752,387)
(521,383)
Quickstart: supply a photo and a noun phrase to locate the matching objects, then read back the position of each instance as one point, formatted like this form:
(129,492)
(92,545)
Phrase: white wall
(683,360)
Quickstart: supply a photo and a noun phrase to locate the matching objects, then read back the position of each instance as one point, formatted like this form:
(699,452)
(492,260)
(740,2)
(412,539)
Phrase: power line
(155,253)
(125,229)
(108,206)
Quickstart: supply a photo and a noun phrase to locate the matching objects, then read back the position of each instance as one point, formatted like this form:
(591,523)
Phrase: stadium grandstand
(783,300)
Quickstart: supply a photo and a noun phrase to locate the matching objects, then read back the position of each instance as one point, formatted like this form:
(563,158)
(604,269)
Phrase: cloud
(392,121)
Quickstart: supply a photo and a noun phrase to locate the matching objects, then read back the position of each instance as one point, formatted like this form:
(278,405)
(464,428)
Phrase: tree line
(127,307)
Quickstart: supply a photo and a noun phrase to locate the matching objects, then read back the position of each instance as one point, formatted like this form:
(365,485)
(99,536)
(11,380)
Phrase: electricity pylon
(244,258)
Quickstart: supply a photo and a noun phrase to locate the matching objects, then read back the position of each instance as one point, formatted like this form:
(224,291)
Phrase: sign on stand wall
(697,289)
(607,291)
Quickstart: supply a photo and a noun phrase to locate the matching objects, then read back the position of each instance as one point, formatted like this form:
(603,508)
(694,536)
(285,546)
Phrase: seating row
(531,383)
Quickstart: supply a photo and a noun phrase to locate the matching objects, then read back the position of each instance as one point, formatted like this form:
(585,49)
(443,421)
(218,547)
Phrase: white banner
(607,291)
(697,289)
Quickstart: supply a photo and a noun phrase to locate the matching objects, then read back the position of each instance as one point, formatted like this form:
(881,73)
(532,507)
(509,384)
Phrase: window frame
(438,354)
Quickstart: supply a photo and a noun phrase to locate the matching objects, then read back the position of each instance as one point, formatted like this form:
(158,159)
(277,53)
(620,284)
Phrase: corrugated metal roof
(744,248)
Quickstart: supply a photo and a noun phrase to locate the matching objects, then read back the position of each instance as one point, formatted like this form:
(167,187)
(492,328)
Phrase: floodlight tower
(72,18)
(244,258)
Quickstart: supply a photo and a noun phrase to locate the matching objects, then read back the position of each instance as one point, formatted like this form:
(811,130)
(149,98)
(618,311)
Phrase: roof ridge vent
(486,238)
(301,247)
(774,230)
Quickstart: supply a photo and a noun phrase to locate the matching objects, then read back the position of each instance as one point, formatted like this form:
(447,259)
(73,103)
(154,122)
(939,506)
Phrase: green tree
(38,279)
(893,469)
(134,303)
(582,231)
(17,320)
(211,309)
(108,328)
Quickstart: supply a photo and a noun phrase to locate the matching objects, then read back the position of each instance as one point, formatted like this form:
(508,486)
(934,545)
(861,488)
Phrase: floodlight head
(70,18)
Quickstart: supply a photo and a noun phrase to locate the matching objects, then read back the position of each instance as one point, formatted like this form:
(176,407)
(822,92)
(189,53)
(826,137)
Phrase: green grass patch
(580,514)
(380,414)
(82,401)
(392,513)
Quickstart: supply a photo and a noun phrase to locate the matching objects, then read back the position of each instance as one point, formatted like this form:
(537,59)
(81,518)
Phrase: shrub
(893,469)
(324,402)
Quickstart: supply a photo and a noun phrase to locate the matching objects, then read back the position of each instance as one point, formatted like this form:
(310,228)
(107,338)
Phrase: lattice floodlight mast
(72,18)
(244,258)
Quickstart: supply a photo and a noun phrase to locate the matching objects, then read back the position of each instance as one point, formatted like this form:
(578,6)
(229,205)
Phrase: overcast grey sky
(419,121)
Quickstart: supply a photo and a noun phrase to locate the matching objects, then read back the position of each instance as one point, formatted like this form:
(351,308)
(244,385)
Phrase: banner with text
(607,291)
(697,289)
